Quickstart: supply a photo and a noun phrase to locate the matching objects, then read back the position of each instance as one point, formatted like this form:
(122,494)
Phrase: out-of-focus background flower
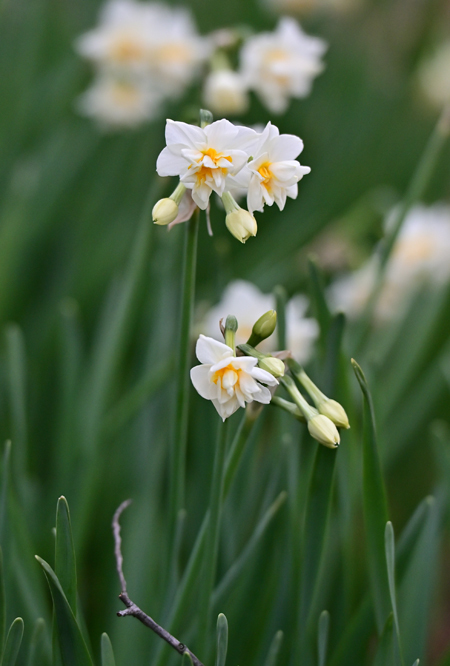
(84,92)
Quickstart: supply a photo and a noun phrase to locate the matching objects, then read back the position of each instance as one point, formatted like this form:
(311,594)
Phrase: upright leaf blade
(73,648)
(13,642)
(322,638)
(37,649)
(65,565)
(2,605)
(222,640)
(390,563)
(375,507)
(274,649)
(107,651)
(385,652)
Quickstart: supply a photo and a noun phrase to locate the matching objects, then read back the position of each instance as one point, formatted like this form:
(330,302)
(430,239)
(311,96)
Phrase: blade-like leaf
(65,565)
(187,659)
(2,605)
(4,492)
(37,651)
(385,653)
(107,651)
(274,649)
(222,640)
(322,637)
(390,563)
(73,648)
(375,507)
(319,303)
(13,642)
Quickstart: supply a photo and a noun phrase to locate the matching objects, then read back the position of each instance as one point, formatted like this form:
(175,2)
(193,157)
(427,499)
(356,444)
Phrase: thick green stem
(178,459)
(212,541)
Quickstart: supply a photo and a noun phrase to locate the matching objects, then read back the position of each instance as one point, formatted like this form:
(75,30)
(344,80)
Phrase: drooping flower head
(203,158)
(282,64)
(229,381)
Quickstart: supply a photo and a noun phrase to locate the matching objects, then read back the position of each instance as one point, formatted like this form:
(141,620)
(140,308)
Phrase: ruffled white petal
(201,381)
(211,351)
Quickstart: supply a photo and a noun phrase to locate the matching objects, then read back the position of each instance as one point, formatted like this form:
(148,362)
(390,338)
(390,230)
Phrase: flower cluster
(249,303)
(147,52)
(420,257)
(229,160)
(232,378)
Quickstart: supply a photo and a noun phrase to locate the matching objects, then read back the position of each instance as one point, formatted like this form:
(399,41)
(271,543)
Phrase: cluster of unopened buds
(231,161)
(232,377)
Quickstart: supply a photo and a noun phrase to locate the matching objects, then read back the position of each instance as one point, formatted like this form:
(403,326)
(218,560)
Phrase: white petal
(169,164)
(255,199)
(201,381)
(264,396)
(188,135)
(226,409)
(285,147)
(211,351)
(264,376)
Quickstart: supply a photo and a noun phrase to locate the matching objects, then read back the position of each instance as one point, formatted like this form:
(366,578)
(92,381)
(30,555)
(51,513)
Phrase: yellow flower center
(126,50)
(265,172)
(204,173)
(124,94)
(174,54)
(226,377)
(414,250)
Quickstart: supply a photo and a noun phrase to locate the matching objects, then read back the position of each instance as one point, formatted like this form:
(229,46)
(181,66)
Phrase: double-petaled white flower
(274,171)
(281,64)
(229,381)
(204,158)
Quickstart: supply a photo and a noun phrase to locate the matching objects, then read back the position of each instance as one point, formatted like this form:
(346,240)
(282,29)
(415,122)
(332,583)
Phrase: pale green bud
(321,428)
(273,365)
(335,412)
(164,211)
(231,326)
(263,328)
(241,224)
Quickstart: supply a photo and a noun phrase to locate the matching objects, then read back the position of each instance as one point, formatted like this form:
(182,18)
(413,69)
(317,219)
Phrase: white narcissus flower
(248,304)
(434,76)
(281,64)
(420,256)
(203,158)
(229,381)
(274,171)
(310,6)
(116,102)
(225,92)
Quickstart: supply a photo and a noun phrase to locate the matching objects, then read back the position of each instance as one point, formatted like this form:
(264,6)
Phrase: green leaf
(65,565)
(274,649)
(222,640)
(2,605)
(390,563)
(4,493)
(319,303)
(37,651)
(322,637)
(187,659)
(73,648)
(107,651)
(385,652)
(375,507)
(417,662)
(16,358)
(13,642)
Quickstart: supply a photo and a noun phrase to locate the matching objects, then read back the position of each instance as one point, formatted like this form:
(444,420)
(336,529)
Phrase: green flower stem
(192,571)
(178,457)
(419,183)
(306,409)
(212,541)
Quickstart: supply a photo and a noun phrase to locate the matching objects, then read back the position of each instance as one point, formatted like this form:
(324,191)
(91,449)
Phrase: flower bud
(241,224)
(321,428)
(335,412)
(164,211)
(273,365)
(225,92)
(263,328)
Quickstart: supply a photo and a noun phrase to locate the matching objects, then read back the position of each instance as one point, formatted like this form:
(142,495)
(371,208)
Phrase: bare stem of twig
(131,608)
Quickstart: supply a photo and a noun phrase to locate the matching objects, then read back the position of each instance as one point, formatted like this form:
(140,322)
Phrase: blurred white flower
(147,38)
(274,172)
(247,303)
(117,102)
(420,256)
(282,64)
(434,76)
(225,92)
(203,158)
(229,381)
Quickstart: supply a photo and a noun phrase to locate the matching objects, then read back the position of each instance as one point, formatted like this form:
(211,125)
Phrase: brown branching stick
(131,608)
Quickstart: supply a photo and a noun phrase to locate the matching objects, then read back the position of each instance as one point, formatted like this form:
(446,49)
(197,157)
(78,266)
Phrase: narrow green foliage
(280,299)
(385,655)
(2,604)
(65,565)
(322,637)
(13,642)
(72,645)
(375,507)
(319,304)
(417,662)
(37,649)
(237,566)
(107,651)
(390,562)
(274,649)
(16,358)
(222,640)
(4,492)
(187,659)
